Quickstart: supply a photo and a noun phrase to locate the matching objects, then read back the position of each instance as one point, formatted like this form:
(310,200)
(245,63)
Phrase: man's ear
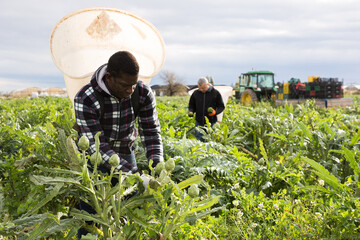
(107,77)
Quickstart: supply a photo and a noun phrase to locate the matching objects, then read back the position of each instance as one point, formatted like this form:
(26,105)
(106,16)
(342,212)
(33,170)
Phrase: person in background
(105,105)
(205,102)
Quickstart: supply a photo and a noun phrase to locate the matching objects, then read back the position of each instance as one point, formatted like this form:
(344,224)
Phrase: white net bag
(84,40)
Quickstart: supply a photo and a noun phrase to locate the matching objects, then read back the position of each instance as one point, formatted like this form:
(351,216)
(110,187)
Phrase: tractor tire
(248,97)
(273,96)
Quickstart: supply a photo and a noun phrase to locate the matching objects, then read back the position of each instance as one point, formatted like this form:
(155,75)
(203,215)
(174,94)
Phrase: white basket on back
(84,40)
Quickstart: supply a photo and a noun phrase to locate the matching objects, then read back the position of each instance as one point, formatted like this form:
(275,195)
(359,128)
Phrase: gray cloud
(218,38)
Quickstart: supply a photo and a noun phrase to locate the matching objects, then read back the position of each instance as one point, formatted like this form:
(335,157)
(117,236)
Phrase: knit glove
(211,111)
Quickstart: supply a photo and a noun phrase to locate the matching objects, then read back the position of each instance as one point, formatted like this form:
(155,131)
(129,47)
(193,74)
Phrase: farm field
(264,172)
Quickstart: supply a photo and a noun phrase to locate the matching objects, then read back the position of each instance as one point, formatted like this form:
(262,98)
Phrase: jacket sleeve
(87,118)
(219,103)
(149,126)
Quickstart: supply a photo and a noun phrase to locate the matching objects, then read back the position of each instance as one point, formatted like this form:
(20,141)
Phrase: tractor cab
(256,85)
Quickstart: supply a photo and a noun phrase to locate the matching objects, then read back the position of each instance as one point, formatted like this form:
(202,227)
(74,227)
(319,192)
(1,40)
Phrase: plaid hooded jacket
(117,127)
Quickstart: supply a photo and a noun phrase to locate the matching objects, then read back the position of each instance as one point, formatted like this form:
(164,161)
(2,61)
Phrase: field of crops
(264,172)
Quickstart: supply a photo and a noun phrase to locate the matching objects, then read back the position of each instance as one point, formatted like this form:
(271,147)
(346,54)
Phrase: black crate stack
(317,88)
(323,89)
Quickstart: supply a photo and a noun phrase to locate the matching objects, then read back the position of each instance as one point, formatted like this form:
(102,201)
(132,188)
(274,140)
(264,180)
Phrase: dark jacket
(200,102)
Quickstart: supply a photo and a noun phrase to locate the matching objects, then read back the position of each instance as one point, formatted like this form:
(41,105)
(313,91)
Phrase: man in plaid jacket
(116,82)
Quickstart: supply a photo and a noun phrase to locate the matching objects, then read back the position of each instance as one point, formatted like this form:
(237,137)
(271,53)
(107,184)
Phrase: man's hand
(145,180)
(190,114)
(211,111)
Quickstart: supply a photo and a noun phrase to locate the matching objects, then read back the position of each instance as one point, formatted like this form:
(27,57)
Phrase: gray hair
(202,80)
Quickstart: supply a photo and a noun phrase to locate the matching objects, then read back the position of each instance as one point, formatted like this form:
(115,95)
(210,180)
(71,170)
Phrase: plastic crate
(286,89)
(323,95)
(313,79)
(324,79)
(286,96)
(300,86)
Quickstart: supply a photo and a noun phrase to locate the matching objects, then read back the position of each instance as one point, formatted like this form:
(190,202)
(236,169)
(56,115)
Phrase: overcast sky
(222,39)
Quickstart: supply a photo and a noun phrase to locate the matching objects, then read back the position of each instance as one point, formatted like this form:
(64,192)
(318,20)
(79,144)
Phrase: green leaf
(199,206)
(139,220)
(137,201)
(31,220)
(306,131)
(234,132)
(73,154)
(281,137)
(57,170)
(97,141)
(41,229)
(316,188)
(193,217)
(113,190)
(42,180)
(89,236)
(129,190)
(80,214)
(355,139)
(324,174)
(262,150)
(53,193)
(350,157)
(197,179)
(65,224)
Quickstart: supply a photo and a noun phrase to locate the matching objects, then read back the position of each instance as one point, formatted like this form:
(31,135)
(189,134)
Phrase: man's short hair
(122,62)
(202,80)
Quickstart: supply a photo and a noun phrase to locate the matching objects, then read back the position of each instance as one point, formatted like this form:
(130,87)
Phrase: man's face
(204,87)
(123,86)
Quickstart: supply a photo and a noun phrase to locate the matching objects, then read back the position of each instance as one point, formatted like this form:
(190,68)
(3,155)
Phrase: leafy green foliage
(266,173)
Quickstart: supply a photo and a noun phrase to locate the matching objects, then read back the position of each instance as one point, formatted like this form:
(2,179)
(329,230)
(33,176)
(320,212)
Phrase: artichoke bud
(160,166)
(162,174)
(170,165)
(163,177)
(96,158)
(165,180)
(193,191)
(153,184)
(83,143)
(114,160)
